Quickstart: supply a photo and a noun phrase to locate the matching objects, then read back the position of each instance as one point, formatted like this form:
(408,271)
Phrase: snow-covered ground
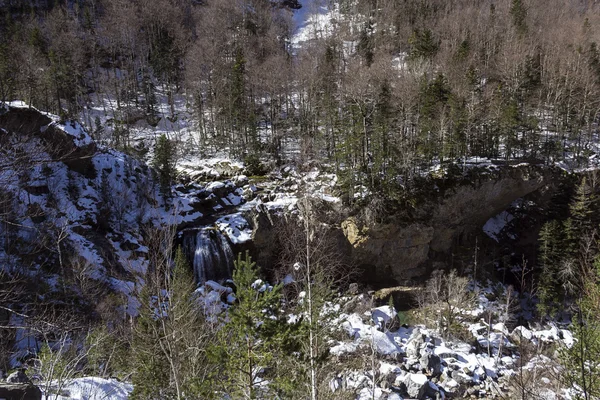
(90,388)
(313,21)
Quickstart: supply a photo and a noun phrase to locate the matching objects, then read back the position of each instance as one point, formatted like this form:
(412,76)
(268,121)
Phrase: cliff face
(389,251)
(394,253)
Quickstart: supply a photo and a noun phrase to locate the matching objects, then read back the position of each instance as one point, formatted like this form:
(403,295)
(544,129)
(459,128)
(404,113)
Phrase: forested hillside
(293,199)
(380,86)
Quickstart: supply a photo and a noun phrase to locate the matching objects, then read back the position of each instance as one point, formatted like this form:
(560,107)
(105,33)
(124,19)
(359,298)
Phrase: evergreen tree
(164,162)
(550,260)
(423,44)
(433,101)
(582,208)
(249,346)
(98,129)
(518,12)
(581,361)
(151,102)
(151,375)
(365,44)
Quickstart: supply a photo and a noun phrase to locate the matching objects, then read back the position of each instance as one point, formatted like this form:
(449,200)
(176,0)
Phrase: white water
(212,255)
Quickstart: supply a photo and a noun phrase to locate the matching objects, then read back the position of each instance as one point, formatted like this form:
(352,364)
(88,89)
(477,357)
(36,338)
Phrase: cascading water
(210,253)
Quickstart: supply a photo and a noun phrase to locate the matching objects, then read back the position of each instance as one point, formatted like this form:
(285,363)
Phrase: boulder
(461,377)
(18,377)
(416,342)
(429,391)
(414,384)
(10,391)
(431,363)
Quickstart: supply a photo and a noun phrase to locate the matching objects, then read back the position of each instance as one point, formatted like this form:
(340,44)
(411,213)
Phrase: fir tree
(164,162)
(249,346)
(581,361)
(518,12)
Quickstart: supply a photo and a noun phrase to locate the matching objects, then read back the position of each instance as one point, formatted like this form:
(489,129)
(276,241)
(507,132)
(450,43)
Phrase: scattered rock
(335,384)
(460,377)
(415,343)
(429,391)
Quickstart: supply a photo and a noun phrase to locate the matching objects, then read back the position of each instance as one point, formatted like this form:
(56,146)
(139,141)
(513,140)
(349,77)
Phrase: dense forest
(388,88)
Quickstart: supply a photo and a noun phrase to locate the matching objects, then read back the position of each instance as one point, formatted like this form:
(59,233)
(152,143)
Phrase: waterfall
(210,254)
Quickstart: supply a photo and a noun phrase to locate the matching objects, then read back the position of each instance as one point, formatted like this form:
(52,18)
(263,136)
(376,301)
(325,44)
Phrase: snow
(369,394)
(215,186)
(387,368)
(523,332)
(496,224)
(259,285)
(18,104)
(128,289)
(282,202)
(384,343)
(419,379)
(235,227)
(369,331)
(383,315)
(217,286)
(234,199)
(92,388)
(313,21)
(80,136)
(288,280)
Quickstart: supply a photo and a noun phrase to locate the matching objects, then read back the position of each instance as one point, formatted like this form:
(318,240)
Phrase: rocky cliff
(397,252)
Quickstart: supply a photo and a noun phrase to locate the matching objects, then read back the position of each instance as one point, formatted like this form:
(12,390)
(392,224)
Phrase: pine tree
(164,162)
(249,346)
(151,374)
(518,12)
(550,259)
(581,361)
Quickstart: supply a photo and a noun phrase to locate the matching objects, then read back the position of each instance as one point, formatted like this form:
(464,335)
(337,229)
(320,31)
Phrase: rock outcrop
(389,250)
(395,252)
